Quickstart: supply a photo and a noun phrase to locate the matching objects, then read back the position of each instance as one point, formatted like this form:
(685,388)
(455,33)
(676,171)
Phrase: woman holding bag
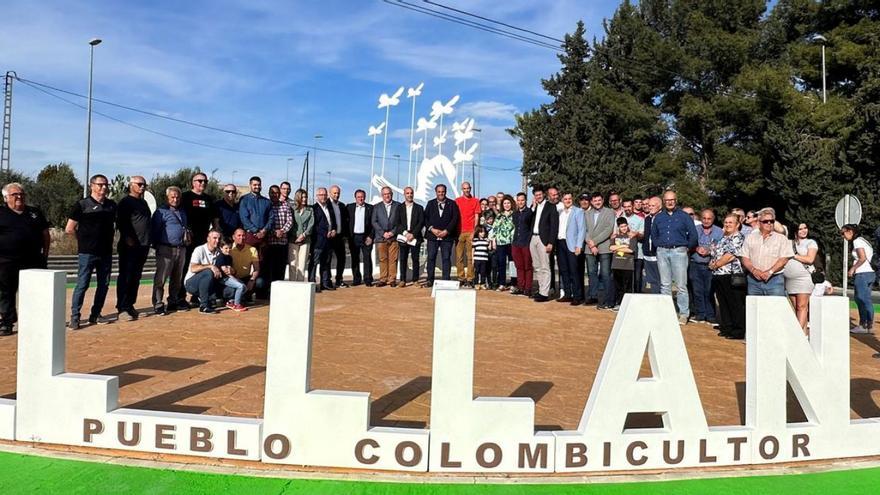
(798,274)
(729,280)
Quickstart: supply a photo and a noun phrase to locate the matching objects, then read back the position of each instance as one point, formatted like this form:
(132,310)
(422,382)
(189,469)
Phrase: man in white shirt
(202,277)
(411,228)
(545,228)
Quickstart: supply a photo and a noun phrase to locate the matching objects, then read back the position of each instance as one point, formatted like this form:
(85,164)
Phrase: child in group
(622,261)
(823,287)
(481,257)
(224,263)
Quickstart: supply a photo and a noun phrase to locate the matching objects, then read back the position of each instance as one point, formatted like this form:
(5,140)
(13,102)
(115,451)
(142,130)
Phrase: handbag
(738,280)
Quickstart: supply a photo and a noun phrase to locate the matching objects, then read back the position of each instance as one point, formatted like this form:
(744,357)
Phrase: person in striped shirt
(481,257)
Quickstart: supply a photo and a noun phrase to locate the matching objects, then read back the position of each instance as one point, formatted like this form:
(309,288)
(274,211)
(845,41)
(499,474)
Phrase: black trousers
(361,252)
(571,271)
(274,262)
(406,251)
(623,284)
(445,248)
(637,276)
(731,306)
(321,256)
(338,244)
(9,271)
(131,267)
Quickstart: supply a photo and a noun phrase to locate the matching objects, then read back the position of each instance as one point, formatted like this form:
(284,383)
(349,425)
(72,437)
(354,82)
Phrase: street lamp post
(287,170)
(92,44)
(329,179)
(398,170)
(233,177)
(479,179)
(315,164)
(824,40)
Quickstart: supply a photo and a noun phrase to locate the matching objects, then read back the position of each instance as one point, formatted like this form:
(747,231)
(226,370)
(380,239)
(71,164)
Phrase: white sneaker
(682,320)
(859,330)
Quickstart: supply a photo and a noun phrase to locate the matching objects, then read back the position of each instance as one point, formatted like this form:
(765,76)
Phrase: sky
(276,69)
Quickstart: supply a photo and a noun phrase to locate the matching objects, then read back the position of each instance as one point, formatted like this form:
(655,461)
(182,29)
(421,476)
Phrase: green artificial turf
(31,474)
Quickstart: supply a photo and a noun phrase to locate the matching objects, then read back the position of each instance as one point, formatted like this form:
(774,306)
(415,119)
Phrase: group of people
(225,251)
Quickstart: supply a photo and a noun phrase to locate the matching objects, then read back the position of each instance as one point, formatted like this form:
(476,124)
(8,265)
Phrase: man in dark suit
(342,236)
(386,218)
(412,226)
(322,237)
(441,231)
(360,241)
(545,227)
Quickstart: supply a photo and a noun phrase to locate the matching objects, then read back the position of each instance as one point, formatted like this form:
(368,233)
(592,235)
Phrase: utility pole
(7,124)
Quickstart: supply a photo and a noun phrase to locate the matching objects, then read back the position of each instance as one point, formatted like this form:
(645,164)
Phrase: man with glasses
(227,210)
(133,221)
(92,221)
(24,243)
(674,234)
(764,255)
(200,216)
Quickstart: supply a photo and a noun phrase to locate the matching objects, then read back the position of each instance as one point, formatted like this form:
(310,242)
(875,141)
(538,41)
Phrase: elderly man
(386,218)
(674,234)
(338,243)
(651,282)
(24,243)
(169,237)
(360,228)
(325,230)
(227,210)
(203,276)
(92,221)
(615,203)
(133,222)
(764,256)
(699,273)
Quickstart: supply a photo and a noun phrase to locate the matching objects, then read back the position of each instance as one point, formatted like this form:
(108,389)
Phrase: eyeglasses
(200,180)
(16,195)
(765,222)
(230,191)
(139,184)
(669,200)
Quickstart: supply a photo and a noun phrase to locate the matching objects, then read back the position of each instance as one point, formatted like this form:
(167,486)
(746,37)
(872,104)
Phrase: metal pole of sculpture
(412,93)
(373,131)
(387,102)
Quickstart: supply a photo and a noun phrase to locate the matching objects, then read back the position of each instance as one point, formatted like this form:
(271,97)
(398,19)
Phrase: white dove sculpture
(416,146)
(439,140)
(435,170)
(438,110)
(412,93)
(387,102)
(374,131)
(424,126)
(465,156)
(465,132)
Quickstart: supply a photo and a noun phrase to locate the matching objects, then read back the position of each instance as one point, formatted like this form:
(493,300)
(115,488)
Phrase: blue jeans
(236,285)
(673,266)
(502,256)
(704,292)
(862,288)
(89,263)
(203,285)
(651,282)
(773,287)
(599,272)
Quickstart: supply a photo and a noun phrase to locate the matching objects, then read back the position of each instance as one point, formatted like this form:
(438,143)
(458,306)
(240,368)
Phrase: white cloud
(491,110)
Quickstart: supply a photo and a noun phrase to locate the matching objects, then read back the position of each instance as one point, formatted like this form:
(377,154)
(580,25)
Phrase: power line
(469,23)
(471,14)
(152,131)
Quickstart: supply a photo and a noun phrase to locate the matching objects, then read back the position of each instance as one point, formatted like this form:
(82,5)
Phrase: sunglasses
(200,180)
(139,184)
(231,191)
(765,222)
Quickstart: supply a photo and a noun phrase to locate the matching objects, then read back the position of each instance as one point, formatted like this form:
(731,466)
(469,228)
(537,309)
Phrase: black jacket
(418,221)
(323,226)
(548,224)
(368,222)
(450,220)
